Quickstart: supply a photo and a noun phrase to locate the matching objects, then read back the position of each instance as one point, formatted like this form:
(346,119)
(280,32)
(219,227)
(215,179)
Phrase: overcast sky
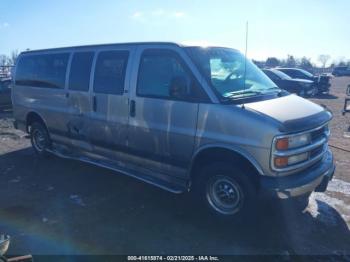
(276,27)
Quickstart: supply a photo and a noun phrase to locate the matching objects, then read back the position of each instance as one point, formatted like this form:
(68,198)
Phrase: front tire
(40,139)
(225,190)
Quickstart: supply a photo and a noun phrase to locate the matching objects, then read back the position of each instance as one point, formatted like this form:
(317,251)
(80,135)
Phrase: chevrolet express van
(183,118)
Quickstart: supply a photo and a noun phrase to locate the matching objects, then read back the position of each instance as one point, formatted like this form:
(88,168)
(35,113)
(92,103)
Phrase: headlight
(281,162)
(293,142)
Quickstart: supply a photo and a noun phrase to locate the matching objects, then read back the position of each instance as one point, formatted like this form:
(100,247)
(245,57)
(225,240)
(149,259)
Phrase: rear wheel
(40,139)
(225,190)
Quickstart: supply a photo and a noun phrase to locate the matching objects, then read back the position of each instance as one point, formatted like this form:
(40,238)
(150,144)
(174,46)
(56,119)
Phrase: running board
(177,189)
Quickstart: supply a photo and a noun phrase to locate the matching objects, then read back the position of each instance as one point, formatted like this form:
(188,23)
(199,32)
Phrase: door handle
(132,108)
(94,103)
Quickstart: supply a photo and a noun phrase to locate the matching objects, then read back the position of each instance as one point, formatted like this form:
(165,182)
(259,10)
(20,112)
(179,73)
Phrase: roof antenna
(245,58)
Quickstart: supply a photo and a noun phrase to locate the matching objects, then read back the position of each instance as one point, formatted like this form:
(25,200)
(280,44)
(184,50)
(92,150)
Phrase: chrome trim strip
(301,150)
(303,164)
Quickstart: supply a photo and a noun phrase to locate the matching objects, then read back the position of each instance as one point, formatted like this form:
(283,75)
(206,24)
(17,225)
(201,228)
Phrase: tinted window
(281,74)
(110,72)
(80,70)
(296,74)
(159,71)
(289,72)
(47,70)
(271,75)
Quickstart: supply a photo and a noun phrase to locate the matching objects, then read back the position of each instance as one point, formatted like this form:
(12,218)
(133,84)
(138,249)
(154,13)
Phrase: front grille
(315,152)
(316,149)
(317,134)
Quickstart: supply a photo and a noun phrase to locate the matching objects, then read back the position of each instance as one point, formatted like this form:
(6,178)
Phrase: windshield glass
(281,74)
(306,73)
(225,68)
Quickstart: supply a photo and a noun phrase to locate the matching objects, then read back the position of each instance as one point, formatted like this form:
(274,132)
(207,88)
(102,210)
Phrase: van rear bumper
(313,179)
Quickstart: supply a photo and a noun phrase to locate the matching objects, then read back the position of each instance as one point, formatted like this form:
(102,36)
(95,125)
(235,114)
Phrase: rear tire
(225,191)
(40,139)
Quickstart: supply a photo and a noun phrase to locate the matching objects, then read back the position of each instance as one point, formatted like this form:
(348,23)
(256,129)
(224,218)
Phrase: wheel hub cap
(224,195)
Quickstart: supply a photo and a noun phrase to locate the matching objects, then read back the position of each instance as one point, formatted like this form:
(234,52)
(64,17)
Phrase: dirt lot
(65,207)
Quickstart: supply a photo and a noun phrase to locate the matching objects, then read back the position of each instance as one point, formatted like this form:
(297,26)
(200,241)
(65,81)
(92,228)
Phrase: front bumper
(312,179)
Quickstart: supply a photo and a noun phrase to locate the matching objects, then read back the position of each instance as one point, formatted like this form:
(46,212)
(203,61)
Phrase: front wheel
(225,190)
(40,139)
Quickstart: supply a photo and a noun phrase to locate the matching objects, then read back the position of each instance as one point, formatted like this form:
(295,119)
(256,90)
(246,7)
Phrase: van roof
(103,45)
(110,45)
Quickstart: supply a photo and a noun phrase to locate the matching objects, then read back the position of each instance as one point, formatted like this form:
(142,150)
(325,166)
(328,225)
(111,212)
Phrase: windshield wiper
(243,92)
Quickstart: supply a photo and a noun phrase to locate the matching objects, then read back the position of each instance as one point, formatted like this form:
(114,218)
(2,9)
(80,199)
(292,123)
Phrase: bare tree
(13,57)
(3,60)
(305,63)
(324,59)
(290,62)
(272,62)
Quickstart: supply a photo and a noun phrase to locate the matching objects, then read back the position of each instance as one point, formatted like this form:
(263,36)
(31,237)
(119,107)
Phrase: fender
(234,149)
(38,114)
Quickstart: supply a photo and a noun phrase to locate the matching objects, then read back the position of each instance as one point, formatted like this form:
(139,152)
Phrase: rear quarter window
(44,70)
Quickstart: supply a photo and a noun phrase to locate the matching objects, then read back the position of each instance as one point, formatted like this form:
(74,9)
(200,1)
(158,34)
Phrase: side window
(163,75)
(79,76)
(291,73)
(299,74)
(271,75)
(110,72)
(47,70)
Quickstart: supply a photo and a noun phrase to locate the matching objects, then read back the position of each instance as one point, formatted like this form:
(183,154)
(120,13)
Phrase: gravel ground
(60,206)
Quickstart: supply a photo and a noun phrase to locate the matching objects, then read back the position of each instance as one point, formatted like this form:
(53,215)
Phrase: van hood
(293,113)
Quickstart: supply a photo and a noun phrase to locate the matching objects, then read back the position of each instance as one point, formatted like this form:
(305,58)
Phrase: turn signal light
(281,161)
(282,144)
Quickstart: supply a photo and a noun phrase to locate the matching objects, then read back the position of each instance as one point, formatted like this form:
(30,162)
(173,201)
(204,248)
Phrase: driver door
(162,122)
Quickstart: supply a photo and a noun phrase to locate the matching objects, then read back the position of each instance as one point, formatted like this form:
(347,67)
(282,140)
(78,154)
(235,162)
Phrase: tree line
(303,62)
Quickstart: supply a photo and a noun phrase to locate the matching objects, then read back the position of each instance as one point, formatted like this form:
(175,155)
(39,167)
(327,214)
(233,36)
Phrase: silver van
(183,118)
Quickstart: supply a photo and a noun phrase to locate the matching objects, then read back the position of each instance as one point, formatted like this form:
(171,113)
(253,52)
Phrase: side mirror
(179,87)
(348,91)
(346,106)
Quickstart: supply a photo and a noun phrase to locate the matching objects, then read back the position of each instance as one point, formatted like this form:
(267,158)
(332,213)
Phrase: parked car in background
(300,87)
(341,71)
(322,82)
(5,92)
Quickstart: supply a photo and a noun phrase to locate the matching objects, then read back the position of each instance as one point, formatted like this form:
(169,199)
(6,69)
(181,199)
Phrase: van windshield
(224,69)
